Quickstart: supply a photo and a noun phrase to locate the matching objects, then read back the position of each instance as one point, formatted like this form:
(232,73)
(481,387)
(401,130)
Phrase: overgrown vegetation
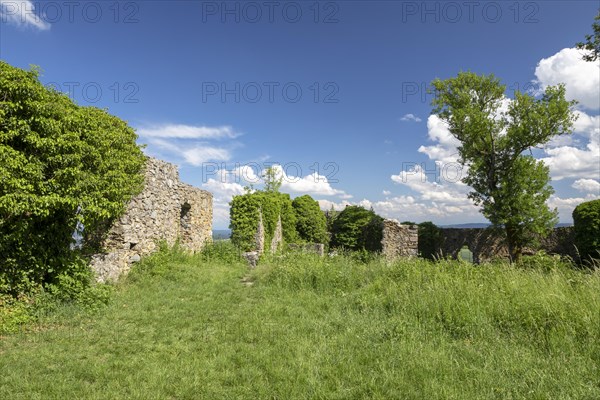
(356,228)
(62,167)
(586,221)
(244,217)
(301,326)
(311,224)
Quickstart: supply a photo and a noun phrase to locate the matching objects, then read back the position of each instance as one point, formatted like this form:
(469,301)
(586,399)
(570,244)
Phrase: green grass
(334,328)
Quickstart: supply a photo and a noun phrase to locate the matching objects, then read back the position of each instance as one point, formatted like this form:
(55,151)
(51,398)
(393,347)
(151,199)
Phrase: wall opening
(185,222)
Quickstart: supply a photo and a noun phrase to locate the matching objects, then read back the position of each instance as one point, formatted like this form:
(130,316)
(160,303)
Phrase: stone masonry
(399,240)
(166,209)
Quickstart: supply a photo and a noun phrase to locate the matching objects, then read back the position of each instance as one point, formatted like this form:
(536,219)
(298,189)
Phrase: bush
(586,221)
(429,239)
(61,167)
(357,228)
(311,224)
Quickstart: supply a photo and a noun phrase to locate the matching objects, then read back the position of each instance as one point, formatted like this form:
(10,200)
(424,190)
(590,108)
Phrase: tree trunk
(515,250)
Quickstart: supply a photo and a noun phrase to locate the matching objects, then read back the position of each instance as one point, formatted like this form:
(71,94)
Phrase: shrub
(61,166)
(311,224)
(356,228)
(586,221)
(429,239)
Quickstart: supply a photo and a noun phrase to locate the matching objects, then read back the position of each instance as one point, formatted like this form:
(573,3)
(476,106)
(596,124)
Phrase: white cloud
(587,186)
(446,147)
(179,131)
(581,78)
(386,192)
(566,206)
(410,117)
(571,161)
(313,184)
(196,155)
(22,14)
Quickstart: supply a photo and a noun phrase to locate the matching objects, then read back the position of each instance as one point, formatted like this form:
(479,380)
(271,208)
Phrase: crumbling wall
(399,240)
(166,209)
(486,244)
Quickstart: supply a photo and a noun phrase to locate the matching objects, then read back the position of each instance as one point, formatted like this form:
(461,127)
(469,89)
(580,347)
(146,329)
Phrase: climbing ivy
(244,214)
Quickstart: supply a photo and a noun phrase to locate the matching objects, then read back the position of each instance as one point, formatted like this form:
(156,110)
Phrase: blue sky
(332,92)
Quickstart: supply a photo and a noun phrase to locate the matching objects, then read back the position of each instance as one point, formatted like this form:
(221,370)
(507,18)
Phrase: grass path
(184,328)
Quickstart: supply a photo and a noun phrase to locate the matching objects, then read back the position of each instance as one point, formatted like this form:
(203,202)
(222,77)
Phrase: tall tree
(509,184)
(592,42)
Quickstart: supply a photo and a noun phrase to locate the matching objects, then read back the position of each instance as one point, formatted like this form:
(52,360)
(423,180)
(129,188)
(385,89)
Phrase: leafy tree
(586,221)
(272,182)
(429,239)
(60,165)
(311,224)
(349,225)
(510,186)
(592,43)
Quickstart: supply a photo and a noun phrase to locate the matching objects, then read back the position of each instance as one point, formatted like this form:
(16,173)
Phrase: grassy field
(301,327)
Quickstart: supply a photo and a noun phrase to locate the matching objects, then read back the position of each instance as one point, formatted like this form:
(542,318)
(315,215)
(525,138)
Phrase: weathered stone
(277,236)
(487,244)
(399,240)
(162,211)
(252,258)
(259,238)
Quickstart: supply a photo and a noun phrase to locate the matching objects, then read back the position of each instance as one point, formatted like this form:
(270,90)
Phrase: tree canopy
(60,165)
(496,136)
(592,42)
(357,228)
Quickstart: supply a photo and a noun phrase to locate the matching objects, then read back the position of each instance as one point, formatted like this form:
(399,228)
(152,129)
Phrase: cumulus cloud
(313,184)
(575,160)
(581,78)
(446,146)
(587,186)
(22,14)
(566,205)
(179,131)
(410,117)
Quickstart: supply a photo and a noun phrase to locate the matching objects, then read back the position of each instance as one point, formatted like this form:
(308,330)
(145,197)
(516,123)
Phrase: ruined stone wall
(486,246)
(399,240)
(166,209)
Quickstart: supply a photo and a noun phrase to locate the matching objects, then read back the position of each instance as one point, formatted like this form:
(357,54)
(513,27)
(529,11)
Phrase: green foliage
(592,43)
(311,223)
(244,214)
(357,228)
(510,186)
(429,239)
(60,165)
(586,221)
(272,180)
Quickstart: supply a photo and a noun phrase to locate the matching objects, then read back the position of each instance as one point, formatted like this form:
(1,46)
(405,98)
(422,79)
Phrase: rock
(251,257)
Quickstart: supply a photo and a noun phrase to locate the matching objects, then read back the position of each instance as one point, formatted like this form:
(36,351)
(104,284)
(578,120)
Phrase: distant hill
(485,225)
(221,234)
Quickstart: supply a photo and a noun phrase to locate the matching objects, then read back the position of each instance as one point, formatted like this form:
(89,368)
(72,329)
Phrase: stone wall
(485,245)
(399,240)
(166,209)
